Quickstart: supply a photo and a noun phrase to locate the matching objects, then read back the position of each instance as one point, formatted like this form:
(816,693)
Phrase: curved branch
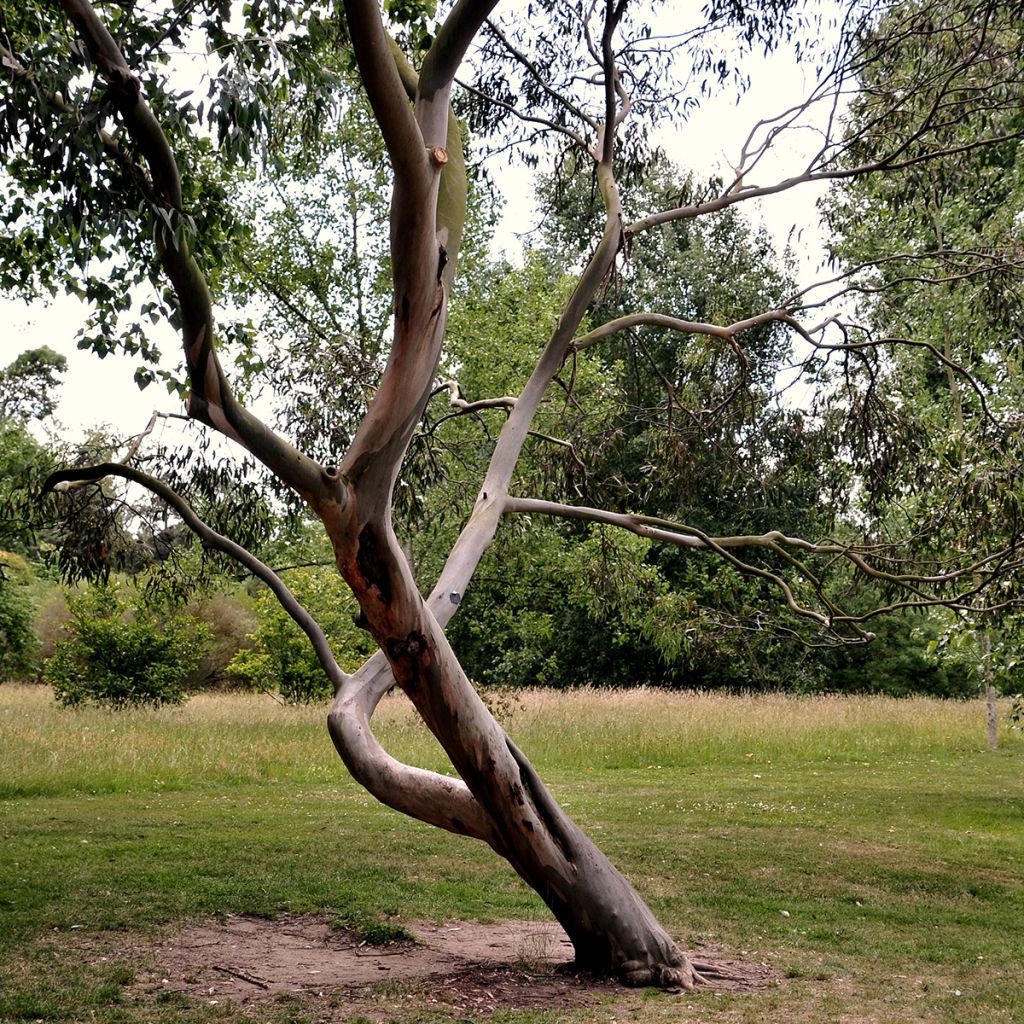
(682,535)
(424,795)
(435,799)
(978,574)
(624,323)
(614,10)
(211,399)
(450,45)
(458,402)
(64,479)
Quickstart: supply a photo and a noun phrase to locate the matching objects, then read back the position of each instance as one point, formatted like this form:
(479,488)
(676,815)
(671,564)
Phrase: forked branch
(969,578)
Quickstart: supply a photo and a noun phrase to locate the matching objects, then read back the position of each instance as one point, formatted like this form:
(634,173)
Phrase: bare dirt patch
(465,965)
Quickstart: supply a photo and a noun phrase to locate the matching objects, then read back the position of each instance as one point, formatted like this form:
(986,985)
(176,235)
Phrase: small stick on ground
(241,975)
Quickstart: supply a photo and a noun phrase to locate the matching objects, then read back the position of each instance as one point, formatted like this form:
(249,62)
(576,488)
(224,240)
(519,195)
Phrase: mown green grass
(885,831)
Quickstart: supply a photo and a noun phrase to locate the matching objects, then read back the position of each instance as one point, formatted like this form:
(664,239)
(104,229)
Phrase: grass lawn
(871,850)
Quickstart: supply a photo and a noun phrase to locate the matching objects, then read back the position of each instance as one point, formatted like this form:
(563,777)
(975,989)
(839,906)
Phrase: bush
(230,620)
(119,653)
(51,624)
(281,657)
(17,637)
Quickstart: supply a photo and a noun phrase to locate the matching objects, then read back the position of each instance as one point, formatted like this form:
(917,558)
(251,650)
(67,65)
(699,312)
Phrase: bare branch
(886,164)
(977,574)
(458,402)
(535,74)
(625,323)
(450,45)
(679,535)
(67,478)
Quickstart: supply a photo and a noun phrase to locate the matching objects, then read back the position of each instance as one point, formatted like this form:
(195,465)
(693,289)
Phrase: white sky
(103,392)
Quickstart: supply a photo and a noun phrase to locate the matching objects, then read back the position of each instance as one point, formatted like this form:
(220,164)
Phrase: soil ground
(464,965)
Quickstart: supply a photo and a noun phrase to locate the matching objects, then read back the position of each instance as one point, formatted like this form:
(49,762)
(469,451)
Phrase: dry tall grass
(226,739)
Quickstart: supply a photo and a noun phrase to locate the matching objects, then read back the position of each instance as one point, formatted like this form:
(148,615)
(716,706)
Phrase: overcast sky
(103,392)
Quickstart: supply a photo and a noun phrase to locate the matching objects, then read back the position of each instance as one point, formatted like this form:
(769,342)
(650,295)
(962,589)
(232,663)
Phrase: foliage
(119,653)
(900,662)
(280,657)
(18,642)
(227,615)
(83,215)
(932,390)
(28,385)
(1017,711)
(24,464)
(967,641)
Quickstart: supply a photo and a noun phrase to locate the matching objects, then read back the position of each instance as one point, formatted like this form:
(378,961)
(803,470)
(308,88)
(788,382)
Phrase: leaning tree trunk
(503,800)
(611,928)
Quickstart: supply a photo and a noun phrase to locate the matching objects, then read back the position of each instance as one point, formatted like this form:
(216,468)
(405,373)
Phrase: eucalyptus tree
(109,186)
(938,321)
(28,384)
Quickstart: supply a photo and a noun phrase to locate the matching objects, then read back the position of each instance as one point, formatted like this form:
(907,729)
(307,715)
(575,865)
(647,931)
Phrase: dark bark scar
(411,647)
(371,563)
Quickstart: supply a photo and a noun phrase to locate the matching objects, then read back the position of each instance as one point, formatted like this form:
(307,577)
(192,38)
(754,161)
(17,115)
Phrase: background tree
(115,189)
(27,388)
(28,385)
(940,435)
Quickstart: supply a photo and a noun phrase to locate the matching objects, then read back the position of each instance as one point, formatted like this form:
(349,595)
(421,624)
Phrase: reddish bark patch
(465,965)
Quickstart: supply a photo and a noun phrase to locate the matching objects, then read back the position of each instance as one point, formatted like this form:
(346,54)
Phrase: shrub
(281,657)
(51,622)
(119,653)
(230,620)
(17,637)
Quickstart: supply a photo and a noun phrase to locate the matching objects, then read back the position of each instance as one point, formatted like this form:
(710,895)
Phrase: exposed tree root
(684,977)
(707,972)
(670,977)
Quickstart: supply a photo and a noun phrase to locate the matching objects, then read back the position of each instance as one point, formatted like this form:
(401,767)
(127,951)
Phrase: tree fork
(612,930)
